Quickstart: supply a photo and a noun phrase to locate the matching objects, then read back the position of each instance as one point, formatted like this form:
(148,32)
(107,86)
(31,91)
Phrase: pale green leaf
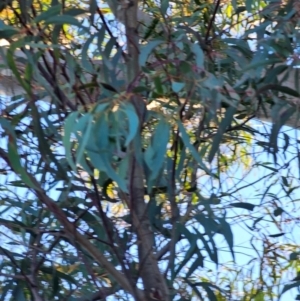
(155,153)
(86,124)
(225,229)
(65,19)
(164,6)
(15,162)
(68,130)
(186,140)
(51,12)
(146,50)
(225,123)
(133,122)
(177,86)
(199,55)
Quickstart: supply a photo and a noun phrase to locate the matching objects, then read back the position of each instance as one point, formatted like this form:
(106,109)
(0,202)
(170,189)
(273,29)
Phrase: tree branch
(76,236)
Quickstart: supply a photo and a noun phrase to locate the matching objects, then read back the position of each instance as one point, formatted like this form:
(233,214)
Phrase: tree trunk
(153,281)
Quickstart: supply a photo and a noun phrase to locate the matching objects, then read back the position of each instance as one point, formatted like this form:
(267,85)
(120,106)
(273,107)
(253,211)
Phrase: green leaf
(278,122)
(101,134)
(146,50)
(84,125)
(7,31)
(212,252)
(261,63)
(109,47)
(210,293)
(287,287)
(51,271)
(100,107)
(199,55)
(225,229)
(85,61)
(41,45)
(96,159)
(55,284)
(185,138)
(278,211)
(158,85)
(65,19)
(164,5)
(249,5)
(8,253)
(297,278)
(240,9)
(8,127)
(198,262)
(195,289)
(133,121)
(99,153)
(276,235)
(14,159)
(286,142)
(51,12)
(75,12)
(68,130)
(260,296)
(114,176)
(188,256)
(11,61)
(294,256)
(18,292)
(43,144)
(177,87)
(257,221)
(192,239)
(180,165)
(241,205)
(7,289)
(92,9)
(272,73)
(280,88)
(225,123)
(155,153)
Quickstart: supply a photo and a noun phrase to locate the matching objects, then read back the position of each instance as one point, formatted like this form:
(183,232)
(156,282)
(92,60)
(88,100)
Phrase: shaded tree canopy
(134,163)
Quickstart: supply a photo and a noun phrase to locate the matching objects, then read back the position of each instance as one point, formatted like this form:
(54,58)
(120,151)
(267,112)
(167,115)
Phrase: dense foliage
(133,165)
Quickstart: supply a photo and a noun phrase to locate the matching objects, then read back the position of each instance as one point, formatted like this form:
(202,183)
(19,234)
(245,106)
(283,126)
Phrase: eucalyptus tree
(113,186)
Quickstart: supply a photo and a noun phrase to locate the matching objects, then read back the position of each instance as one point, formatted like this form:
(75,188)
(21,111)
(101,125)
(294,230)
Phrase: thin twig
(110,32)
(212,19)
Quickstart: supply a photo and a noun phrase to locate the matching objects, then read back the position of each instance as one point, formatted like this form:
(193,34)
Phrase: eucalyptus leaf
(133,122)
(50,12)
(177,87)
(186,140)
(241,205)
(146,51)
(199,55)
(225,123)
(15,162)
(86,123)
(155,153)
(65,19)
(67,140)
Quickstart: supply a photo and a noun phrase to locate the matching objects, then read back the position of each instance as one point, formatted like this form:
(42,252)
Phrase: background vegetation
(132,165)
